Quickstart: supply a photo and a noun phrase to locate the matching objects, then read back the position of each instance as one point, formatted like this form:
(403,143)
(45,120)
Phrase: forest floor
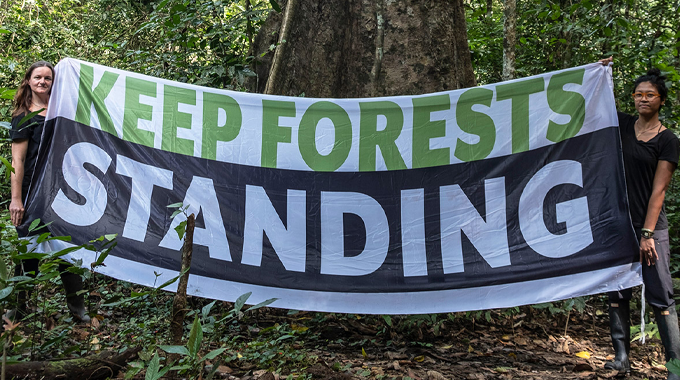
(537,348)
(271,344)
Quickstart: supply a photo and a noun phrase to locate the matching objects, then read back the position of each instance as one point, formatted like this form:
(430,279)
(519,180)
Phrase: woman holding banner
(650,155)
(28,118)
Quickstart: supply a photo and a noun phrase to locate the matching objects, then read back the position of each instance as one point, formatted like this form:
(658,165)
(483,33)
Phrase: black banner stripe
(597,154)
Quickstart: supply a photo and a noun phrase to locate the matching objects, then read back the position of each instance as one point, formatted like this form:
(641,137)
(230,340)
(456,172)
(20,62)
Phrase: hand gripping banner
(478,198)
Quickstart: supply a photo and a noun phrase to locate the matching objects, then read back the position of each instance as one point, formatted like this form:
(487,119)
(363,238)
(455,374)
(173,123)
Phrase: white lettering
(413,232)
(574,213)
(289,243)
(459,215)
(333,261)
(201,197)
(84,183)
(144,178)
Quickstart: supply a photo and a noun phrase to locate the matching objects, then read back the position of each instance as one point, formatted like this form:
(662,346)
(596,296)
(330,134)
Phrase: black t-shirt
(640,160)
(31,130)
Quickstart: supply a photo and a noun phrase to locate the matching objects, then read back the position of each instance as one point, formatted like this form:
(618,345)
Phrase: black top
(31,130)
(640,160)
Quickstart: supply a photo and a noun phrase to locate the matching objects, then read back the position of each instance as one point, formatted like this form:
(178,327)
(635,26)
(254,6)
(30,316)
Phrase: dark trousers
(657,277)
(31,265)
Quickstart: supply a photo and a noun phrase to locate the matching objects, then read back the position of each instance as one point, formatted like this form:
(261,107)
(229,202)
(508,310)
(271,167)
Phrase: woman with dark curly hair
(32,96)
(650,156)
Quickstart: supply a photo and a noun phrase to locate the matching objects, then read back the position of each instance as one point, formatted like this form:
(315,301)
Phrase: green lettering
(519,93)
(370,137)
(212,131)
(307,136)
(87,97)
(272,132)
(135,111)
(174,119)
(566,103)
(475,123)
(424,130)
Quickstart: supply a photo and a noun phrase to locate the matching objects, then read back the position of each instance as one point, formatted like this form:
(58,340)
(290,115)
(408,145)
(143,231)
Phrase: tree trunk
(509,39)
(103,366)
(361,48)
(179,302)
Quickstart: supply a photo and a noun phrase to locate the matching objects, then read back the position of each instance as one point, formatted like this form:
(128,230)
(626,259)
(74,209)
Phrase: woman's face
(41,81)
(647,105)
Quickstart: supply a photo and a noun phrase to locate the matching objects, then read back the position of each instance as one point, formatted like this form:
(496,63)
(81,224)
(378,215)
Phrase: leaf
(6,291)
(112,299)
(3,271)
(181,350)
(169,282)
(205,311)
(673,366)
(363,353)
(34,225)
(175,205)
(100,259)
(195,337)
(181,229)
(275,5)
(20,278)
(240,301)
(9,325)
(388,320)
(262,304)
(583,354)
(117,300)
(8,94)
(152,371)
(61,238)
(27,118)
(214,353)
(7,164)
(298,328)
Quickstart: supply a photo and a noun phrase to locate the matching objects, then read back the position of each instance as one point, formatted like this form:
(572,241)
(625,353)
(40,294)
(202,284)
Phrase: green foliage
(154,372)
(193,354)
(673,366)
(563,307)
(651,331)
(49,337)
(555,34)
(204,42)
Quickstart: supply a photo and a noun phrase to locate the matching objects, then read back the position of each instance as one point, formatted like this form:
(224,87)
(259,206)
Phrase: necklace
(638,134)
(39,105)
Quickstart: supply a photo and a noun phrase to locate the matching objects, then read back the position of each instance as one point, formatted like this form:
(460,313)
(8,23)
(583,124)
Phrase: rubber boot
(619,327)
(667,320)
(73,284)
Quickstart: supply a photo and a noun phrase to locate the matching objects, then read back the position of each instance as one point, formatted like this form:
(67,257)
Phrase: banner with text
(478,198)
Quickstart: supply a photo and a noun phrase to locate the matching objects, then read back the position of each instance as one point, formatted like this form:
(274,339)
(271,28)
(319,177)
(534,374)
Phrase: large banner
(479,198)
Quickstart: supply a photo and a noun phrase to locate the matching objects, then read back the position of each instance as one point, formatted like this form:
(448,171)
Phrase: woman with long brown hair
(33,96)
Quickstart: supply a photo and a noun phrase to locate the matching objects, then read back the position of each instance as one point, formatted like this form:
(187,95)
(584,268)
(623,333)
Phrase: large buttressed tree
(362,48)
